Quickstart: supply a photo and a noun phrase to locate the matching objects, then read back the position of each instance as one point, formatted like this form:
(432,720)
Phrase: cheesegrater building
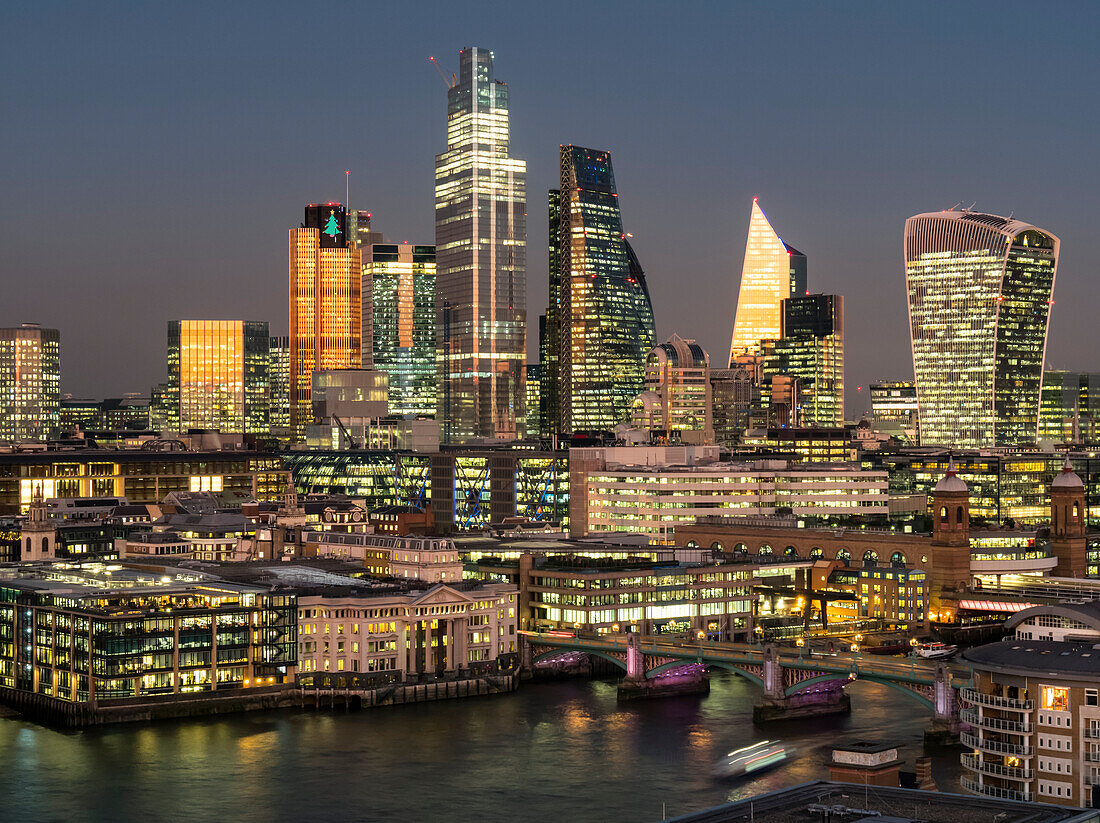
(980,289)
(604,318)
(481,257)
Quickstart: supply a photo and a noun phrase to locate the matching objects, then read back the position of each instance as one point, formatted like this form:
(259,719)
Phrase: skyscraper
(1069,409)
(549,343)
(771,272)
(605,319)
(325,304)
(481,257)
(30,383)
(811,348)
(980,290)
(399,309)
(217,375)
(278,386)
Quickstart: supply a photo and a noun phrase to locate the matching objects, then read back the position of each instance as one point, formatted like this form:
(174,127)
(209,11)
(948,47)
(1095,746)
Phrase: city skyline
(840,188)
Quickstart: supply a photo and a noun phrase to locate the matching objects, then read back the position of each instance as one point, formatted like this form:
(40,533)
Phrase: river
(551,751)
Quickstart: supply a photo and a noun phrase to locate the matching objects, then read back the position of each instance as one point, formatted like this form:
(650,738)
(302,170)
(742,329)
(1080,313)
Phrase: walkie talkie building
(980,290)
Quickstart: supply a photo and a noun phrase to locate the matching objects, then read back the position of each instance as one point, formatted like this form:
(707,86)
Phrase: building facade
(278,386)
(399,334)
(772,271)
(677,397)
(980,290)
(1069,407)
(325,304)
(894,407)
(30,383)
(605,319)
(217,375)
(481,258)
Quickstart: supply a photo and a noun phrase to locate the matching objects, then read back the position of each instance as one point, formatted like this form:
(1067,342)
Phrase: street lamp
(855,648)
(859,638)
(700,634)
(800,643)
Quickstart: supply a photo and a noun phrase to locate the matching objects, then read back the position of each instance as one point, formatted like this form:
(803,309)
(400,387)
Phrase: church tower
(950,562)
(39,537)
(1067,523)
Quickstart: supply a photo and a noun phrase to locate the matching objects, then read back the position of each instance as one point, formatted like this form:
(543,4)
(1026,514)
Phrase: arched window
(959,517)
(765,551)
(844,555)
(790,551)
(1076,511)
(943,514)
(870,558)
(897,559)
(716,545)
(816,553)
(692,544)
(741,547)
(28,549)
(45,545)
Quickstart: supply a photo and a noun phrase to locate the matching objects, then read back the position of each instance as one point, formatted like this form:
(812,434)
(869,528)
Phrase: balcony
(993,791)
(994,723)
(976,764)
(1091,732)
(995,746)
(996,701)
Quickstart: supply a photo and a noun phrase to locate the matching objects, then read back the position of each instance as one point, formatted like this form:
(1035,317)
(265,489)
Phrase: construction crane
(448,83)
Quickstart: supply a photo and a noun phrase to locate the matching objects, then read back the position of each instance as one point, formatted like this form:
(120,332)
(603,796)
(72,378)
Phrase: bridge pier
(687,679)
(944,728)
(776,704)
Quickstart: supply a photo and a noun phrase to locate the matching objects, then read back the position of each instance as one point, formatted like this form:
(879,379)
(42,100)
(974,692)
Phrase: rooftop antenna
(955,206)
(347,189)
(1011,213)
(448,83)
(971,206)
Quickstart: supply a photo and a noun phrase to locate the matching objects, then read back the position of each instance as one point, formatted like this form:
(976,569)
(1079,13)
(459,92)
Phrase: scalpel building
(980,289)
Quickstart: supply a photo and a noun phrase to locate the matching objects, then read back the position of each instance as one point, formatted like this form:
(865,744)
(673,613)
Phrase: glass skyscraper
(30,383)
(549,343)
(605,319)
(811,348)
(278,386)
(481,257)
(325,305)
(1069,409)
(217,375)
(772,271)
(399,309)
(980,290)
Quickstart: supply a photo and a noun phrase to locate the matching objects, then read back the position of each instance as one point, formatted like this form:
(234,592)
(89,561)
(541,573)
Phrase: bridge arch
(831,676)
(729,667)
(554,651)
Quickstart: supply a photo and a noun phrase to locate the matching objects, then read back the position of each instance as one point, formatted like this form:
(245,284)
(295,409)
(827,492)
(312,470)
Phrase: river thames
(551,751)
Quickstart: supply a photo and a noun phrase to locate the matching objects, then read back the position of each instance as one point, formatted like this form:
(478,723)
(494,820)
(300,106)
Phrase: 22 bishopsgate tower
(980,291)
(481,260)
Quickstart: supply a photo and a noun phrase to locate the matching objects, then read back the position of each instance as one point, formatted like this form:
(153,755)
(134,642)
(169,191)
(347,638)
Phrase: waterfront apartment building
(811,349)
(653,500)
(605,318)
(481,259)
(1034,711)
(325,305)
(980,289)
(399,334)
(30,383)
(86,633)
(772,271)
(404,633)
(218,375)
(676,403)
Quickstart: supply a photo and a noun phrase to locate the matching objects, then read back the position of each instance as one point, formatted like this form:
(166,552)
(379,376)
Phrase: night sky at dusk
(154,155)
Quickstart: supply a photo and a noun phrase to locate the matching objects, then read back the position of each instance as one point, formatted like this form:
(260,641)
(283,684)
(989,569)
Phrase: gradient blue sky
(154,155)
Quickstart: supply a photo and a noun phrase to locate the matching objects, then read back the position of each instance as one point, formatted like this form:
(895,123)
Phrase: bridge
(795,682)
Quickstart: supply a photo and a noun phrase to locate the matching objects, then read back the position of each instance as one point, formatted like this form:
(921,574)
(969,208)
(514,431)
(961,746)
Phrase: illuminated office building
(605,316)
(810,348)
(1069,407)
(481,253)
(980,291)
(894,405)
(30,383)
(278,386)
(325,304)
(677,396)
(359,230)
(731,392)
(399,332)
(217,375)
(549,342)
(772,271)
(534,401)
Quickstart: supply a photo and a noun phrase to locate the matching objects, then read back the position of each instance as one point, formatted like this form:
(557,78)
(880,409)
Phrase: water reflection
(549,751)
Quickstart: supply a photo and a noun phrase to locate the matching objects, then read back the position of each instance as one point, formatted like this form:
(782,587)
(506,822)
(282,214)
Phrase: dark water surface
(551,751)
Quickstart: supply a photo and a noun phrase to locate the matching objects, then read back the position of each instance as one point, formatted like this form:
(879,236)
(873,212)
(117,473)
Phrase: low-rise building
(1034,710)
(429,559)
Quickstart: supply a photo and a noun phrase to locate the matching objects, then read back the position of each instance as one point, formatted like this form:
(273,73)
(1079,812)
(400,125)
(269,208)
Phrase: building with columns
(405,632)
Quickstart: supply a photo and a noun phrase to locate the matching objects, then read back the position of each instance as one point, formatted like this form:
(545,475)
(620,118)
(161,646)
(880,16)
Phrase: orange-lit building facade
(218,375)
(325,305)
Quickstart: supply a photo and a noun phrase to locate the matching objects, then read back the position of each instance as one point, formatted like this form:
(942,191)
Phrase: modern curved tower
(772,271)
(605,318)
(980,289)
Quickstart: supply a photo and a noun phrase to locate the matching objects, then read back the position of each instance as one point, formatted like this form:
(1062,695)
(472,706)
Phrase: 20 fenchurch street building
(979,290)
